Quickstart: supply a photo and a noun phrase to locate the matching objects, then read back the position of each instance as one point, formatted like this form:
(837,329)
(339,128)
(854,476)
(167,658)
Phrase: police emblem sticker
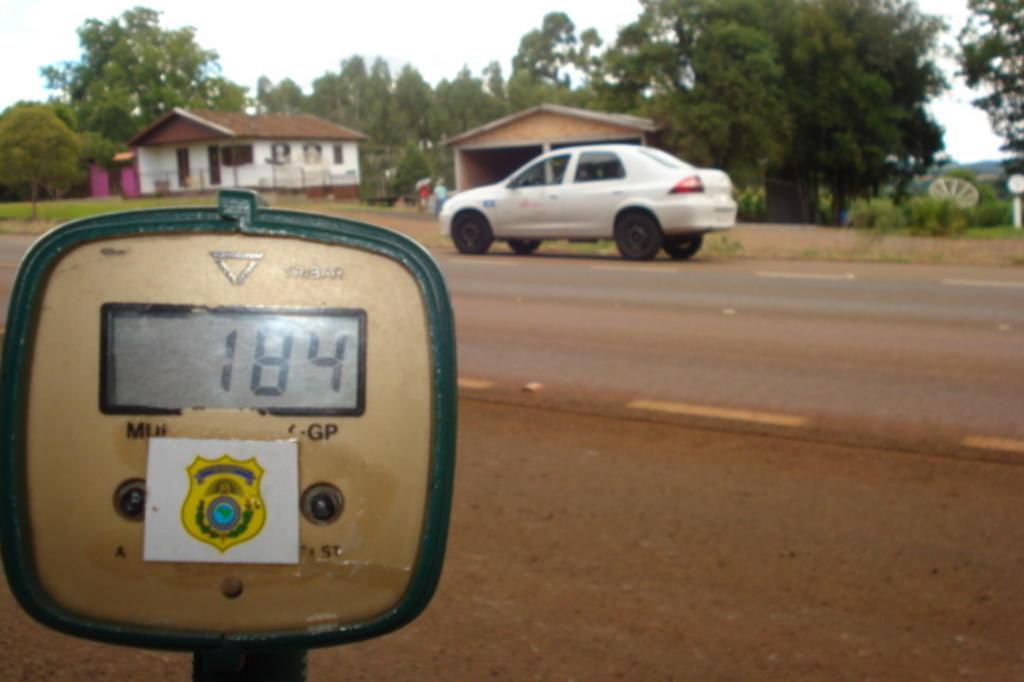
(222,501)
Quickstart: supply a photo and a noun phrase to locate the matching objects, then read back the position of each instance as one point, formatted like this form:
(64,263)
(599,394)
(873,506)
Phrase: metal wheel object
(472,234)
(960,192)
(681,248)
(638,236)
(524,247)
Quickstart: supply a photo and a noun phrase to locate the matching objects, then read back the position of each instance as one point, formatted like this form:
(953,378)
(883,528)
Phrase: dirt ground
(595,548)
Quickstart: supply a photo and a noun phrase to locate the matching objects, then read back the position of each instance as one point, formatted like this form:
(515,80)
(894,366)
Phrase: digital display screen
(168,358)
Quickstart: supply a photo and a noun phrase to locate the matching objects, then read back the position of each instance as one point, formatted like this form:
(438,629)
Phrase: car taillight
(688,185)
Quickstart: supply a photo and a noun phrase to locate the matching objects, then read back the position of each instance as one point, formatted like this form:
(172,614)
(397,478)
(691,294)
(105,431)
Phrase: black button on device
(322,503)
(323,507)
(130,499)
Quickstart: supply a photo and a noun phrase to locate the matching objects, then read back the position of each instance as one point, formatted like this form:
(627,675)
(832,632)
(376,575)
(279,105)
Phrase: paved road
(919,353)
(922,356)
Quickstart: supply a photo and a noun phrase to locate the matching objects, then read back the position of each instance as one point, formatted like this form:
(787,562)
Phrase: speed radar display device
(226,427)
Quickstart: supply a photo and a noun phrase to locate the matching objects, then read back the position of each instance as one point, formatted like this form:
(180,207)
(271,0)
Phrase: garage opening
(487,166)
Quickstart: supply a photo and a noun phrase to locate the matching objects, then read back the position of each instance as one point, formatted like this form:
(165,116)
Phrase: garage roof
(636,123)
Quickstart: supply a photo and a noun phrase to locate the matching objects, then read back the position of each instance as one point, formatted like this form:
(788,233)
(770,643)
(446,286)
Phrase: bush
(751,205)
(825,216)
(990,214)
(935,217)
(881,215)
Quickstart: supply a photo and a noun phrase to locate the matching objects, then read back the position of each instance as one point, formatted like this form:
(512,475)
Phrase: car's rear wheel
(472,233)
(524,247)
(681,248)
(638,236)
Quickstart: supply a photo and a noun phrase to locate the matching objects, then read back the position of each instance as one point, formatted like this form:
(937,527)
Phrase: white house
(189,150)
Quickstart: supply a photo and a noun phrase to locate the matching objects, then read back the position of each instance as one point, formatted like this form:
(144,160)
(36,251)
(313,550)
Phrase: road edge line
(712,412)
(994,443)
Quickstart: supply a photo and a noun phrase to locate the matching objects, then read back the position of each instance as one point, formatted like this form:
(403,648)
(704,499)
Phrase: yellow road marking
(484,261)
(983,283)
(10,264)
(632,268)
(990,443)
(719,413)
(805,275)
(474,383)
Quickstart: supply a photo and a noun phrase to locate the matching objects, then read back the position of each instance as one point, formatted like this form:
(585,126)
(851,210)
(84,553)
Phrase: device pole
(228,665)
(1016,211)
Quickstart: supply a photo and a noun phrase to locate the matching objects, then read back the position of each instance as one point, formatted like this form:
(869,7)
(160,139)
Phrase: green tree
(285,97)
(709,70)
(992,56)
(342,97)
(546,53)
(413,103)
(381,122)
(463,103)
(495,81)
(829,94)
(412,166)
(37,152)
(548,62)
(858,76)
(132,71)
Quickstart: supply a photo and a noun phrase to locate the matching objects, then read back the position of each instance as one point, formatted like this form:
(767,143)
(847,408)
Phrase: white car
(643,198)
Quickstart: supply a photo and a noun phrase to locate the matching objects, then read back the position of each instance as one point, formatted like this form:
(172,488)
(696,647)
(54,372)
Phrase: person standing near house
(424,191)
(440,194)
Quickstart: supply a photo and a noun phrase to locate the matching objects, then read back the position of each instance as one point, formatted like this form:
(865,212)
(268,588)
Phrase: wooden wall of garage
(548,127)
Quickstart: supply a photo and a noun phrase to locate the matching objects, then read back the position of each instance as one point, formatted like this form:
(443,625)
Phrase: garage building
(491,152)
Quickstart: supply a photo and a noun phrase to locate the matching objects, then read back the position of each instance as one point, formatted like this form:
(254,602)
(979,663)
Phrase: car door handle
(617,193)
(552,196)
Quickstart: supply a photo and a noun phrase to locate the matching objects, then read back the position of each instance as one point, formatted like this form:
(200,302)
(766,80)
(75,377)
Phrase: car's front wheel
(524,247)
(472,233)
(681,248)
(638,236)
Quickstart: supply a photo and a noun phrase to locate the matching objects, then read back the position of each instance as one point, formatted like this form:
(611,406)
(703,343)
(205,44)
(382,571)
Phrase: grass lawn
(73,209)
(1006,232)
(14,216)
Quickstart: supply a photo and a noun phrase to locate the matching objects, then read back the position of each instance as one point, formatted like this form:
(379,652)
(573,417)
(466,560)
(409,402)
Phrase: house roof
(622,120)
(221,124)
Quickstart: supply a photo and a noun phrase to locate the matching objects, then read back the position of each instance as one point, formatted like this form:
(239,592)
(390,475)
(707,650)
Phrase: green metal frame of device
(238,212)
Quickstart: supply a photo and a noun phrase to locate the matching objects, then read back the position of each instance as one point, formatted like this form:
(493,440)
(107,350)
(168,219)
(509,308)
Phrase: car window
(599,166)
(546,172)
(664,158)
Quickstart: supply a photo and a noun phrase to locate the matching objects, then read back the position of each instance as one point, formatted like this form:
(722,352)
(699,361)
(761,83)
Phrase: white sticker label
(222,501)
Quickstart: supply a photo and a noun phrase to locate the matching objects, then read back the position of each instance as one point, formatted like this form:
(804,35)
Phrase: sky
(306,38)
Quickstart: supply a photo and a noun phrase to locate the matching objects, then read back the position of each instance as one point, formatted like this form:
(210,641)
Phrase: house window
(311,153)
(236,155)
(339,155)
(281,152)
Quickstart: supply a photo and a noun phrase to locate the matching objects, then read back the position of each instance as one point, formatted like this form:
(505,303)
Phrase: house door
(183,170)
(214,152)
